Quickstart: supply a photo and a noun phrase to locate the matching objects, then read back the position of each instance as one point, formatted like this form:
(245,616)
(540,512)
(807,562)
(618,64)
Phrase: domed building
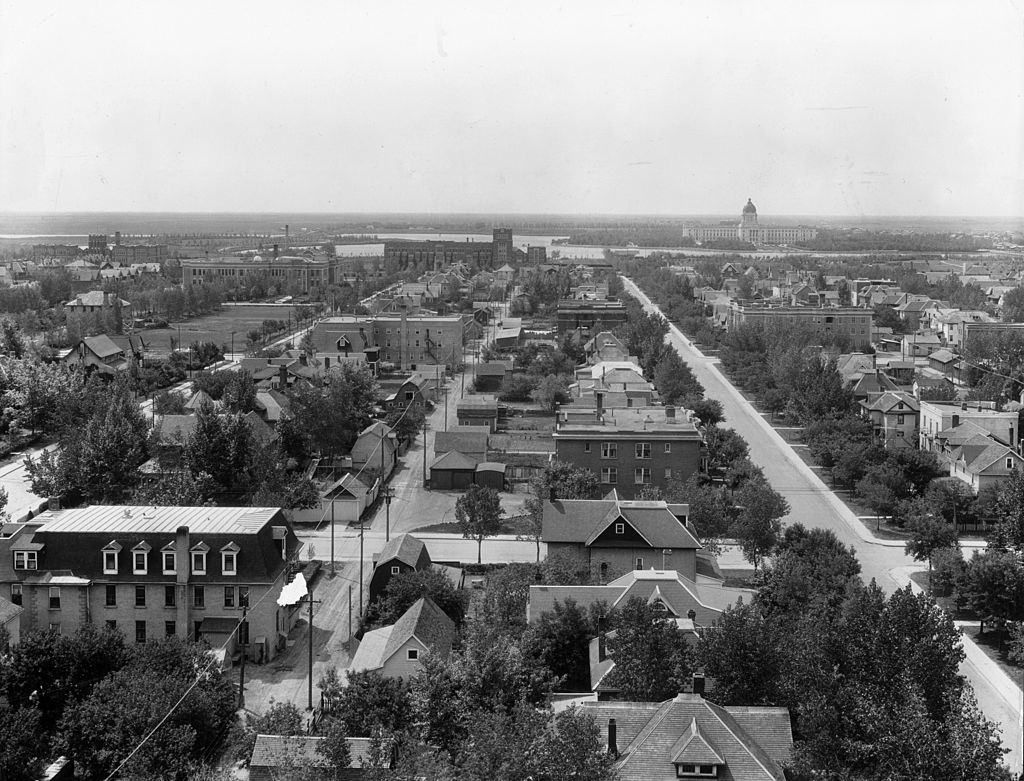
(748,230)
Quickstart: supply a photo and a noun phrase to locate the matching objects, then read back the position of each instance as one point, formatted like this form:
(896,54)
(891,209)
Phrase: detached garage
(454,471)
(491,475)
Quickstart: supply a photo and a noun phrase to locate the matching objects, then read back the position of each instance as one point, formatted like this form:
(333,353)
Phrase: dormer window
(140,558)
(229,559)
(198,555)
(696,771)
(110,558)
(170,564)
(620,528)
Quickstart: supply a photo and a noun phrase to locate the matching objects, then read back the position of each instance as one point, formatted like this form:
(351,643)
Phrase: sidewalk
(852,520)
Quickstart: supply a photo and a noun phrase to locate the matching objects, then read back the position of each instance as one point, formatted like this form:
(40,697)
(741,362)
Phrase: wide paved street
(813,504)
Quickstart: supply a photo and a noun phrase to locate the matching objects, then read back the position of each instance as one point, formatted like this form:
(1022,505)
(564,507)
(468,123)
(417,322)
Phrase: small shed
(454,471)
(490,474)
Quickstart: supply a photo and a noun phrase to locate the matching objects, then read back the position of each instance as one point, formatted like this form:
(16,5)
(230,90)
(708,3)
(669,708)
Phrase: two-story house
(156,571)
(614,535)
(893,416)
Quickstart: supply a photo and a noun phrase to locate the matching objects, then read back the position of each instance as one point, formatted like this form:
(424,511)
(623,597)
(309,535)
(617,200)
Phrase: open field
(217,327)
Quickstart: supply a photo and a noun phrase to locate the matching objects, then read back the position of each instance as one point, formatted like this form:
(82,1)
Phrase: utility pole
(389,494)
(334,570)
(362,527)
(243,629)
(424,450)
(350,610)
(309,596)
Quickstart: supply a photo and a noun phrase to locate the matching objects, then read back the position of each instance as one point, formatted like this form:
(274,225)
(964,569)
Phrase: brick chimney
(181,570)
(613,747)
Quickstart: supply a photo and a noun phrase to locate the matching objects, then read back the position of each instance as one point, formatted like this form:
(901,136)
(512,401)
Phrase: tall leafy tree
(758,525)
(653,661)
(743,653)
(479,513)
(405,588)
(561,639)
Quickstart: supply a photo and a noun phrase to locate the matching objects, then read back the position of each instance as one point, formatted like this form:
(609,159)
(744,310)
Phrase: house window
(609,475)
(140,631)
(229,561)
(111,624)
(900,419)
(169,628)
(668,447)
(16,593)
(170,596)
(110,562)
(140,596)
(1009,463)
(55,627)
(642,475)
(229,596)
(25,559)
(54,597)
(111,596)
(639,563)
(586,447)
(684,770)
(198,562)
(408,395)
(139,563)
(243,596)
(169,562)
(620,528)
(643,449)
(395,570)
(609,449)
(413,654)
(198,596)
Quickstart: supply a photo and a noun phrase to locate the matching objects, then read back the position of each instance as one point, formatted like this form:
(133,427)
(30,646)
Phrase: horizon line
(502,213)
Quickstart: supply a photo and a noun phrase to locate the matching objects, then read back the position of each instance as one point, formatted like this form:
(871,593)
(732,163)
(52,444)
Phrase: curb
(842,511)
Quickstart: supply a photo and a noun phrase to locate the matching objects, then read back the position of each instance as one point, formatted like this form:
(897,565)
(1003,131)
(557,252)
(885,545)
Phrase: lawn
(217,327)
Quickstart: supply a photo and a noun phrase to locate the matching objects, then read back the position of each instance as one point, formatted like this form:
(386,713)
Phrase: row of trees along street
(785,370)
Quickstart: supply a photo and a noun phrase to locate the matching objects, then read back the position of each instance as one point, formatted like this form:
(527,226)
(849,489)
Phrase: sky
(809,108)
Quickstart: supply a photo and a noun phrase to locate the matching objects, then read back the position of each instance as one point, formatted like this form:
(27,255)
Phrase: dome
(749,208)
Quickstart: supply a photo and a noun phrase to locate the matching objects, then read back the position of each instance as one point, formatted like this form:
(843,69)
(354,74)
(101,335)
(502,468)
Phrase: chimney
(275,251)
(599,398)
(282,376)
(956,421)
(698,683)
(181,554)
(963,406)
(670,412)
(601,640)
(613,748)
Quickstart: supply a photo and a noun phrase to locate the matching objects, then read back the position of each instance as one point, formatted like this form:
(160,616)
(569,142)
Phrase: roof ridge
(737,731)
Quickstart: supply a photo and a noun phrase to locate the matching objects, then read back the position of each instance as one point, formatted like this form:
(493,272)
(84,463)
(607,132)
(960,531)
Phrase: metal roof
(115,519)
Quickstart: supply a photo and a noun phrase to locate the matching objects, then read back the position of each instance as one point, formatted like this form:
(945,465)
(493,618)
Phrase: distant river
(522,242)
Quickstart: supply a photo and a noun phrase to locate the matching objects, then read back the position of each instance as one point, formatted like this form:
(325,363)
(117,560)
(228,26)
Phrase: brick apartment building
(590,316)
(631,449)
(155,571)
(852,322)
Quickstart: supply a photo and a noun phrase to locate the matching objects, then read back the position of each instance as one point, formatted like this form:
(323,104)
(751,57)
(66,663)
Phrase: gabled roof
(347,484)
(8,610)
(752,744)
(377,429)
(980,453)
(103,346)
(453,459)
(467,439)
(693,748)
(199,398)
(176,429)
(424,621)
(891,400)
(943,356)
(582,520)
(404,548)
(679,594)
